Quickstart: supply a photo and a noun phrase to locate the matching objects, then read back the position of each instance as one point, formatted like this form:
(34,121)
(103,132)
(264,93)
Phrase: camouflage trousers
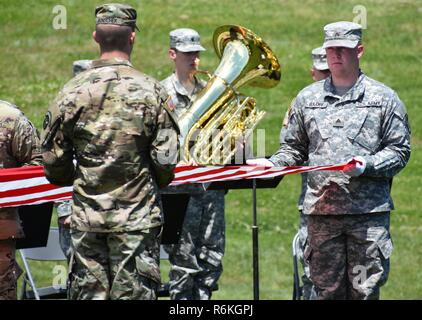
(303,244)
(115,265)
(9,270)
(65,241)
(349,255)
(64,210)
(196,260)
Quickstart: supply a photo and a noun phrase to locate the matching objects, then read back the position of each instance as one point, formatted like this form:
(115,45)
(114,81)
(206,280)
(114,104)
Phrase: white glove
(358,168)
(261,162)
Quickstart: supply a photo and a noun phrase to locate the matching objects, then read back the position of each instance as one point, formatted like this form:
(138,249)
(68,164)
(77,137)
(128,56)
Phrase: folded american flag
(28,185)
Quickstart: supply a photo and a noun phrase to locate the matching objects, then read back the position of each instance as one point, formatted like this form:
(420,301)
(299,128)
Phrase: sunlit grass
(36,61)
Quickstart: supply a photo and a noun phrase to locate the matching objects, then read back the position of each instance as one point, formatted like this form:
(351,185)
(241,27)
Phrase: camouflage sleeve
(165,143)
(57,149)
(286,121)
(26,143)
(395,143)
(293,138)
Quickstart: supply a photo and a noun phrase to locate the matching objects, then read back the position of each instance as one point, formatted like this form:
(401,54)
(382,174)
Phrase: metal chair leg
(297,290)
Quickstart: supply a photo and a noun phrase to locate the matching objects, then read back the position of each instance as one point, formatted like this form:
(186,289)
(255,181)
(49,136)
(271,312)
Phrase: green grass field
(36,61)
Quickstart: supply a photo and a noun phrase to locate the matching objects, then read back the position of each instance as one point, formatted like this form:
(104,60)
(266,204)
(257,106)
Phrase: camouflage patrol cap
(185,40)
(116,13)
(81,65)
(319,59)
(342,34)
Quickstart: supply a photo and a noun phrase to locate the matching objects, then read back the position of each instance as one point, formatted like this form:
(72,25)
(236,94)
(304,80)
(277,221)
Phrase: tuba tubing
(245,59)
(236,56)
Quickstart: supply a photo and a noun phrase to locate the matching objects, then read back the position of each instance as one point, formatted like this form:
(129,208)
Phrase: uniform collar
(354,92)
(110,62)
(180,89)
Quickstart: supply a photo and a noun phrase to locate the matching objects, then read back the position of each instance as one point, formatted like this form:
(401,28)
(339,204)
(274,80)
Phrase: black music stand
(36,221)
(174,208)
(250,184)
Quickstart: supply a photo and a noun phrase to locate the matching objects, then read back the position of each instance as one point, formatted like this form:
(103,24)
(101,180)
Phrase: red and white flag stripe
(200,174)
(28,185)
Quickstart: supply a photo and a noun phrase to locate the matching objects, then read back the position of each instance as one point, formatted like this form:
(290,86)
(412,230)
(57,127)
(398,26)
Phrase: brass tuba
(220,115)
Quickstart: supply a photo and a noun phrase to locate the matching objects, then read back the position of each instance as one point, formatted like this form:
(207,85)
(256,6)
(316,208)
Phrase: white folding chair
(52,252)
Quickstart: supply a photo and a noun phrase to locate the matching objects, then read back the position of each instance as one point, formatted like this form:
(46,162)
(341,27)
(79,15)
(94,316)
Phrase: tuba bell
(220,116)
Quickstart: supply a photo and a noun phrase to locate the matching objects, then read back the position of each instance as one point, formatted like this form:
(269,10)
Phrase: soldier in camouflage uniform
(114,122)
(196,260)
(347,116)
(64,208)
(19,146)
(319,71)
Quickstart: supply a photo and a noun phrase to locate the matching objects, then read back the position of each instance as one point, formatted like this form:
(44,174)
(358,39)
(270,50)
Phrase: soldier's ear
(361,49)
(172,54)
(132,37)
(94,36)
(312,71)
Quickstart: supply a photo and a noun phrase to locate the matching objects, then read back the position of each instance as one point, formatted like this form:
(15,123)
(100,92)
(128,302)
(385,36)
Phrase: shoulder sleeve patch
(170,105)
(288,114)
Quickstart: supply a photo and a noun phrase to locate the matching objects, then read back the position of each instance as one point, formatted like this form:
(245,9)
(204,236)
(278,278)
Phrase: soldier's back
(112,116)
(111,113)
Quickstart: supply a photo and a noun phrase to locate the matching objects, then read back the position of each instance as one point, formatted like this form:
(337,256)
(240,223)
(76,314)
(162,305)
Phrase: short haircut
(113,37)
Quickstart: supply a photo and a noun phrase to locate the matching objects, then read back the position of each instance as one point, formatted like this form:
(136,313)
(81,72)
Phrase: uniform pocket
(355,123)
(386,247)
(364,128)
(381,239)
(322,126)
(148,267)
(147,258)
(212,257)
(74,280)
(307,254)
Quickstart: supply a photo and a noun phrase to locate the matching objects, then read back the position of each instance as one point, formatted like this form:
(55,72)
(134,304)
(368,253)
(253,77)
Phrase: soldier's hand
(261,162)
(190,162)
(356,166)
(65,221)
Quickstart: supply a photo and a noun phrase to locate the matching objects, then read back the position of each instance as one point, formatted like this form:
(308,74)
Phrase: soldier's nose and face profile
(188,59)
